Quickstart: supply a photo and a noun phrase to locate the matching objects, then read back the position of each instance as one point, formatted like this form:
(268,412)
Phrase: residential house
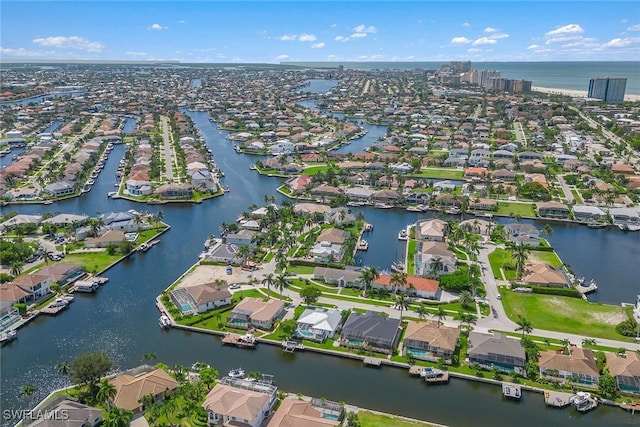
(299,184)
(430,341)
(19,220)
(544,275)
(496,351)
(522,234)
(131,387)
(503,174)
(203,180)
(59,189)
(326,191)
(318,323)
(174,191)
(431,229)
(138,186)
(427,256)
(386,196)
(36,284)
(586,213)
(359,193)
(579,366)
(445,185)
(221,252)
(242,238)
(294,412)
(339,216)
(62,273)
(483,204)
(342,278)
(552,209)
(11,294)
(256,312)
(626,370)
(329,245)
(201,298)
(109,237)
(416,286)
(474,172)
(371,331)
(75,414)
(239,403)
(65,220)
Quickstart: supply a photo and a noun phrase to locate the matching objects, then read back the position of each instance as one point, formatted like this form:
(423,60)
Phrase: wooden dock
(246,341)
(557,399)
(415,371)
(291,346)
(441,378)
(372,361)
(512,391)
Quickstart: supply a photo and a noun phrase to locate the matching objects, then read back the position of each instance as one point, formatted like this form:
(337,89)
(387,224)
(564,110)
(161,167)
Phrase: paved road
(565,189)
(168,160)
(521,138)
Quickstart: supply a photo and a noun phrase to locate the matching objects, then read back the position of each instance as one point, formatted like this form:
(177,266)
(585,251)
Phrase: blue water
(196,83)
(53,126)
(129,125)
(557,75)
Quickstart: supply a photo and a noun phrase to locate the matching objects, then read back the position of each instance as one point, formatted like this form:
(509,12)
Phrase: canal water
(121,318)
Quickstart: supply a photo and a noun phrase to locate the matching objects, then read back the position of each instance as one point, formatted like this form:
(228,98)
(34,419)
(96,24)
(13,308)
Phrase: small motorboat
(164,322)
(237,373)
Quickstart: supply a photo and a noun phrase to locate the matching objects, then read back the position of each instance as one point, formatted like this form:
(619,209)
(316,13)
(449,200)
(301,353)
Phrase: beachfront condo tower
(607,89)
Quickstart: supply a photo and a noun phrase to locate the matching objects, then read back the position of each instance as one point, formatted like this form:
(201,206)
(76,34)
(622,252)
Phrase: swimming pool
(330,416)
(416,352)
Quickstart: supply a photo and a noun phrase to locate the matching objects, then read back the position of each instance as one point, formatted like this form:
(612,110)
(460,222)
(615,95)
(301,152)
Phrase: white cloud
(534,46)
(182,21)
(466,24)
(363,58)
(71,42)
(139,54)
(564,30)
(358,35)
(634,28)
(288,37)
(377,57)
(460,40)
(157,27)
(499,36)
(473,49)
(617,42)
(484,40)
(318,45)
(364,29)
(22,52)
(307,38)
(334,25)
(341,39)
(282,57)
(489,30)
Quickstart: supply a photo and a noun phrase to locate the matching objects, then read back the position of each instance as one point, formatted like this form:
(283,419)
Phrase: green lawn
(576,195)
(411,266)
(522,209)
(550,258)
(369,419)
(363,301)
(97,261)
(439,173)
(301,269)
(499,258)
(312,170)
(564,314)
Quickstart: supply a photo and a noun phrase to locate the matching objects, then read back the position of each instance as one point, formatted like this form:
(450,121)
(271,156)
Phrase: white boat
(368,227)
(237,373)
(583,401)
(164,322)
(431,373)
(247,339)
(382,206)
(402,235)
(8,336)
(397,266)
(59,302)
(363,245)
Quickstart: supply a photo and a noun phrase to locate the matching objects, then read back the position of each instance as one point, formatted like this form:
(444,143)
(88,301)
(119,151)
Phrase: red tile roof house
(416,286)
(579,364)
(623,169)
(552,209)
(430,341)
(299,184)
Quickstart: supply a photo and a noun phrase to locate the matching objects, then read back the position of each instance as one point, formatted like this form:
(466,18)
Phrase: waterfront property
(132,385)
(431,229)
(74,413)
(201,298)
(497,351)
(626,370)
(335,276)
(578,365)
(371,331)
(240,401)
(294,412)
(430,341)
(254,312)
(544,275)
(416,286)
(318,323)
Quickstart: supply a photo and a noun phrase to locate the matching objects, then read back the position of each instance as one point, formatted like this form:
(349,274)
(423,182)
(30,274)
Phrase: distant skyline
(272,32)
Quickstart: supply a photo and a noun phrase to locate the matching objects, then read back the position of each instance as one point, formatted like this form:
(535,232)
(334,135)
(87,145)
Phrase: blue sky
(265,31)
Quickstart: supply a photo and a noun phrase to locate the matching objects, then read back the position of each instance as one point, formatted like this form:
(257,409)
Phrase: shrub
(628,328)
(564,292)
(22,308)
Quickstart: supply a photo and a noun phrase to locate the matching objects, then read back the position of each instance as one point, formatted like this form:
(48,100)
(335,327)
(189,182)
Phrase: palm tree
(118,417)
(520,254)
(421,311)
(398,280)
(28,390)
(281,282)
(466,299)
(435,265)
(467,318)
(106,393)
(268,280)
(402,303)
(524,325)
(158,217)
(63,369)
(367,276)
(441,314)
(244,252)
(16,268)
(149,356)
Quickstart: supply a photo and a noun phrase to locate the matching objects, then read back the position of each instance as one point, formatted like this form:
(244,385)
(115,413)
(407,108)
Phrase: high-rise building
(607,89)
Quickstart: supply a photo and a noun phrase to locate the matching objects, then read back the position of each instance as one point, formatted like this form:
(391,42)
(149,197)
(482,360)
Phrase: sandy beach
(576,93)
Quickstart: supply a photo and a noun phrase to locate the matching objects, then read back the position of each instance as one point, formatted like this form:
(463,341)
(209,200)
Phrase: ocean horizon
(572,75)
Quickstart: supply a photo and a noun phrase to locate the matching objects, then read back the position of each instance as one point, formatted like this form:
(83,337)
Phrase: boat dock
(55,307)
(147,245)
(246,341)
(585,289)
(372,361)
(437,377)
(557,399)
(512,391)
(415,371)
(291,346)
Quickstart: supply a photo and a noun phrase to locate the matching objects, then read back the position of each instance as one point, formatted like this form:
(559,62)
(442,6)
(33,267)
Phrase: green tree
(126,247)
(421,311)
(607,386)
(106,393)
(88,368)
(466,299)
(118,417)
(281,283)
(268,280)
(63,369)
(367,276)
(402,302)
(441,314)
(310,294)
(524,325)
(287,327)
(28,390)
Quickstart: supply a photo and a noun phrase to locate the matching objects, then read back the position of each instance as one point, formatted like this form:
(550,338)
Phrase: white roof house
(318,323)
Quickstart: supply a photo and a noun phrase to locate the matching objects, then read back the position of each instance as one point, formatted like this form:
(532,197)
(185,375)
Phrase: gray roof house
(338,276)
(75,415)
(318,323)
(60,188)
(371,330)
(489,351)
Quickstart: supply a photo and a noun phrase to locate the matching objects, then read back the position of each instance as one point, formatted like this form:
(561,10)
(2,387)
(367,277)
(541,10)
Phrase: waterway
(40,98)
(121,318)
(129,125)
